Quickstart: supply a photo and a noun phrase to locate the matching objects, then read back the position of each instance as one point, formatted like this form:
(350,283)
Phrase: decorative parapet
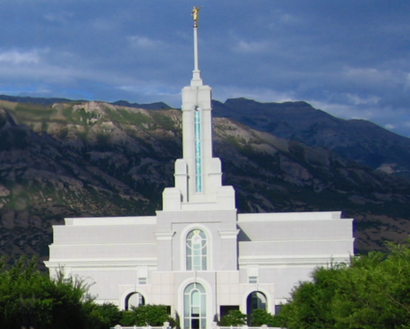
(246,327)
(165,326)
(214,326)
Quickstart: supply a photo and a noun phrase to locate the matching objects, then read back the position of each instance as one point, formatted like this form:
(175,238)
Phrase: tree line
(370,292)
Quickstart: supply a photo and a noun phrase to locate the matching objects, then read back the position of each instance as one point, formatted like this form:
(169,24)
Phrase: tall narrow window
(194,307)
(198,160)
(196,251)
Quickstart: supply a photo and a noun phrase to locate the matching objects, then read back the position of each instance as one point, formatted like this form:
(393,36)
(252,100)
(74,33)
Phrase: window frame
(196,250)
(188,308)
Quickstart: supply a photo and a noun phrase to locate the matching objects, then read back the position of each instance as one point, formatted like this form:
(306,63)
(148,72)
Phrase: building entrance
(194,307)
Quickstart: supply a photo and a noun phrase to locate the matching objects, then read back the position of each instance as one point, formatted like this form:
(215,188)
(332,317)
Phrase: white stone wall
(281,249)
(287,247)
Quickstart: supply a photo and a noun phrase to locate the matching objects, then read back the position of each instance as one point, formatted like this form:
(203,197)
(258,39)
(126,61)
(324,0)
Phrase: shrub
(233,318)
(260,317)
(105,315)
(154,315)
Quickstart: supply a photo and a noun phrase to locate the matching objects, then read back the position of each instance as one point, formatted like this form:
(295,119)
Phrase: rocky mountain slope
(51,101)
(99,159)
(358,140)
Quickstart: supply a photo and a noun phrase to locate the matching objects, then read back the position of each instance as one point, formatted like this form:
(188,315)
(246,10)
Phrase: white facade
(197,255)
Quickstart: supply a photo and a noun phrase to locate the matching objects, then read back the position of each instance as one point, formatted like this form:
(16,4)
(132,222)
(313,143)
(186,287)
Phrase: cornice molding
(101,264)
(228,234)
(165,235)
(292,261)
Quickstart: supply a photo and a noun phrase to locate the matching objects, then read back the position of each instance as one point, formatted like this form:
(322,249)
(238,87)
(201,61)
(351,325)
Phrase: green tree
(260,317)
(233,318)
(310,306)
(375,291)
(372,291)
(30,298)
(104,316)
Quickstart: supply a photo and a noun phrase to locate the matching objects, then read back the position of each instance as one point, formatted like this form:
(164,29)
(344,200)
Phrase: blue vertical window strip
(198,169)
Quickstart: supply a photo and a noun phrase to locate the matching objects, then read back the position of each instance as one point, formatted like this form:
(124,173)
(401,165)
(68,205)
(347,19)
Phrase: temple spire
(198,175)
(196,73)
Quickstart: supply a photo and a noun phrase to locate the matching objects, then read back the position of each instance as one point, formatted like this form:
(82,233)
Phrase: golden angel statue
(195,15)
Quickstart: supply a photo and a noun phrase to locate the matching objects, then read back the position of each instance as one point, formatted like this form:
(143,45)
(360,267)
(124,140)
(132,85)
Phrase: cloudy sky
(350,58)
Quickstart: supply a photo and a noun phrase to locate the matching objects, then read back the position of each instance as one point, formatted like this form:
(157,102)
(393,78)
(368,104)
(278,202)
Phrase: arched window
(194,307)
(134,299)
(196,251)
(255,300)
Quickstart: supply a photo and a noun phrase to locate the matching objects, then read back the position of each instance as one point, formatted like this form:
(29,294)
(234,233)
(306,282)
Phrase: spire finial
(195,15)
(196,77)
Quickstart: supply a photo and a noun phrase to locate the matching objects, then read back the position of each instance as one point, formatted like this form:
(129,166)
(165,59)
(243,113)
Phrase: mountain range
(66,159)
(358,140)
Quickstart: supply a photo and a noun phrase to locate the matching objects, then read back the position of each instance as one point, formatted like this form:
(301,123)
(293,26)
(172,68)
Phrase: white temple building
(198,255)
